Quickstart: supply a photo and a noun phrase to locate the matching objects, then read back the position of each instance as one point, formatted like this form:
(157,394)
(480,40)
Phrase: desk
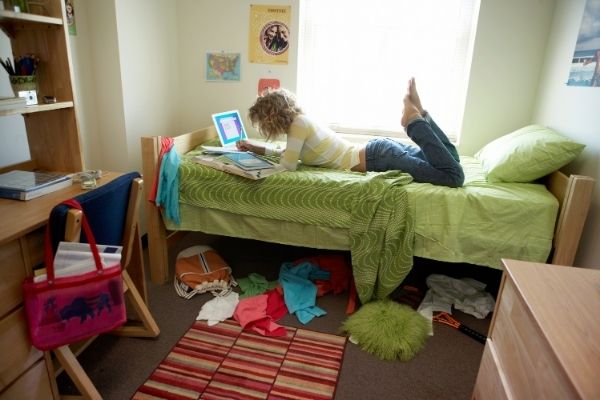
(25,372)
(544,340)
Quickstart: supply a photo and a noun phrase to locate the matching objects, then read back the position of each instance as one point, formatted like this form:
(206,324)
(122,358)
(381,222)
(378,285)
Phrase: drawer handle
(445,318)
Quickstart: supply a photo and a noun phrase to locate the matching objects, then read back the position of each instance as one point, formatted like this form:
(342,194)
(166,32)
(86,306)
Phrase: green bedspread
(373,207)
(378,217)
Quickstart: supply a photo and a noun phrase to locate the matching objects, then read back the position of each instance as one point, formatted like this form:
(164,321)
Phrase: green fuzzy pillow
(527,154)
(388,330)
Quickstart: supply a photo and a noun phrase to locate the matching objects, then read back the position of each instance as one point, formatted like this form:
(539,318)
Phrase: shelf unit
(52,129)
(54,145)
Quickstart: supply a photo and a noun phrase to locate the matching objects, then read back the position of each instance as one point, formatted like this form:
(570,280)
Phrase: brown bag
(200,269)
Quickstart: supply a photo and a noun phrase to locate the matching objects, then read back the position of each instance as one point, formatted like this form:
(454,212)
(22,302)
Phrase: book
(248,161)
(226,165)
(27,185)
(8,103)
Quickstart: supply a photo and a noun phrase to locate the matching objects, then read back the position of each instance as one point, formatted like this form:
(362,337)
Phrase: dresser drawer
(33,385)
(12,273)
(15,347)
(490,382)
(531,368)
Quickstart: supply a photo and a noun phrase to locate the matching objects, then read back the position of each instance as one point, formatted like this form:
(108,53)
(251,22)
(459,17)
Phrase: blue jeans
(435,160)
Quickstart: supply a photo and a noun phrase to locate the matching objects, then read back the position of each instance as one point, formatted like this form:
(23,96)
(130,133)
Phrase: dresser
(544,339)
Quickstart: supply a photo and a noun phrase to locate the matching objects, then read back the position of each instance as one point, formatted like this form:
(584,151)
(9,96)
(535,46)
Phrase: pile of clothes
(261,303)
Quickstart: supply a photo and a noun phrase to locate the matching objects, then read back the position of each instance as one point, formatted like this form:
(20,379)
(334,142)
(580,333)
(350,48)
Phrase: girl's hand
(245,145)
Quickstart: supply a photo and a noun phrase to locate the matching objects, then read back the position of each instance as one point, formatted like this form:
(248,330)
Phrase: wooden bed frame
(573,192)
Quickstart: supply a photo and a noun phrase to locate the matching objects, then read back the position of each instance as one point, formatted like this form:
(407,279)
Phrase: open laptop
(230,129)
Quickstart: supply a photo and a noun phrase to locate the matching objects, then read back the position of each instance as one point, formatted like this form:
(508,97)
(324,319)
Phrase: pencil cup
(25,86)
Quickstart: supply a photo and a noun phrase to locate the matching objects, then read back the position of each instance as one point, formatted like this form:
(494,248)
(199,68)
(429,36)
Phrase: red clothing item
(165,145)
(259,313)
(340,272)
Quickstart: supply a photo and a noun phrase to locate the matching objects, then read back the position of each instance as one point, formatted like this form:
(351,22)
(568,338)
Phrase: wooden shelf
(10,17)
(37,108)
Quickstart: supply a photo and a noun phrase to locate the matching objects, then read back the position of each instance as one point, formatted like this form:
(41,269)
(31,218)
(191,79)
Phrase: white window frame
(330,40)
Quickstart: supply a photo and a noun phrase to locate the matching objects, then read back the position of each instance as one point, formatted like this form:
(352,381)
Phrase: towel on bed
(372,206)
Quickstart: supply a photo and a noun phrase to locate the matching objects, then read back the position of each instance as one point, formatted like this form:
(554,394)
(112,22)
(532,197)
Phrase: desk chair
(112,211)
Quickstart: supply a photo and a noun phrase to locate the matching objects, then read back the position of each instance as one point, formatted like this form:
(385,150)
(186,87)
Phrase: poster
(70,9)
(221,66)
(585,65)
(269,34)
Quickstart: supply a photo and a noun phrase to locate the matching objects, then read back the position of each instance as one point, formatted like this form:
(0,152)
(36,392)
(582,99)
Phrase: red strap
(49,257)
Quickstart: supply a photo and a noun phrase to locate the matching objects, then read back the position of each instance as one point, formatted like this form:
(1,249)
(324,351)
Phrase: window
(355,58)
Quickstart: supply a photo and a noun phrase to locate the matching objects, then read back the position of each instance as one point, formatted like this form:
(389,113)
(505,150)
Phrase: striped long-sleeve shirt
(316,145)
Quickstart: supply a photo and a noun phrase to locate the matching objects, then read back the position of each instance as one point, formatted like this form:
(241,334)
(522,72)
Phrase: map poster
(269,38)
(221,66)
(585,65)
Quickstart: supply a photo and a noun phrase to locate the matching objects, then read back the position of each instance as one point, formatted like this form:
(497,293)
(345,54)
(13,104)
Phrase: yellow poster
(269,34)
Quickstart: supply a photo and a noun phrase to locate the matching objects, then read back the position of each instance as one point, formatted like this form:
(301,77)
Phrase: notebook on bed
(230,129)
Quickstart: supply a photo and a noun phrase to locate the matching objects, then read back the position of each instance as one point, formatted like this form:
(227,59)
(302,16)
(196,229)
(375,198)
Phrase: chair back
(105,209)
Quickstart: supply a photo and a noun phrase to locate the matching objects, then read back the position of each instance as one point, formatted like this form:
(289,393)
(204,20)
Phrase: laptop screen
(229,127)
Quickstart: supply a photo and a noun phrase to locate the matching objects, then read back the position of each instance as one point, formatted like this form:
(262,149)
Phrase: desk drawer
(15,347)
(12,273)
(33,385)
(531,369)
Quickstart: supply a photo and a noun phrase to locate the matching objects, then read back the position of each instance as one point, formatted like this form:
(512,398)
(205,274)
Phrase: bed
(479,224)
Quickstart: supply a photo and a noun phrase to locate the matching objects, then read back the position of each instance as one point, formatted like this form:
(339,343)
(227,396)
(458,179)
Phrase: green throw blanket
(372,206)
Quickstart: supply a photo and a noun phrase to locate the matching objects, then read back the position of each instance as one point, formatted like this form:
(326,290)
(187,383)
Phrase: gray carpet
(445,369)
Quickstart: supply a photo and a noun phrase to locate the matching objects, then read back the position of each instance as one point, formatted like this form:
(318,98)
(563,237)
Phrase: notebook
(248,161)
(230,129)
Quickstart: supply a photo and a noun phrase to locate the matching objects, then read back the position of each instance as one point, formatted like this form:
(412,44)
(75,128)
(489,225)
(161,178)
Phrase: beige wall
(573,111)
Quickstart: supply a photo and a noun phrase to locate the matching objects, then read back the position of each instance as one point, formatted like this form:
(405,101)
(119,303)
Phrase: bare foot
(413,95)
(410,112)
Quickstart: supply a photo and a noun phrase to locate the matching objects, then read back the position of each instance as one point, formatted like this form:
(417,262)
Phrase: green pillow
(527,154)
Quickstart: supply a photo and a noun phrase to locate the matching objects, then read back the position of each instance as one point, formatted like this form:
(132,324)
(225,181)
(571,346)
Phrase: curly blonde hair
(273,112)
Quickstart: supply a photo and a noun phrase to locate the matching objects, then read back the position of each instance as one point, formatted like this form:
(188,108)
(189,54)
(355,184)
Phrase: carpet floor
(445,369)
(223,361)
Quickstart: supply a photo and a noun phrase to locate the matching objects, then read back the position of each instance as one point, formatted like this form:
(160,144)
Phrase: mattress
(480,223)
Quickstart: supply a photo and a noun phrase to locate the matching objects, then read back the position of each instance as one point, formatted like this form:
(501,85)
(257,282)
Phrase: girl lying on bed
(435,160)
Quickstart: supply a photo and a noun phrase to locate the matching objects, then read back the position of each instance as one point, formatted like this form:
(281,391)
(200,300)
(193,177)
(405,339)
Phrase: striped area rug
(225,362)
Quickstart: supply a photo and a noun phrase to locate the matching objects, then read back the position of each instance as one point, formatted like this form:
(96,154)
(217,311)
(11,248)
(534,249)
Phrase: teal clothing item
(299,293)
(254,284)
(167,195)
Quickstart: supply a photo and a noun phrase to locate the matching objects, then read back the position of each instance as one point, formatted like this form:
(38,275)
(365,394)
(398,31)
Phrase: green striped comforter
(372,206)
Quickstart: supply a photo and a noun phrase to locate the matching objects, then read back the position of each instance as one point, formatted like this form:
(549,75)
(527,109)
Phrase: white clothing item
(219,309)
(464,294)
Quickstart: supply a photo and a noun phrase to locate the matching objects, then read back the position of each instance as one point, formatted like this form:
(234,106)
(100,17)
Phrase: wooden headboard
(574,194)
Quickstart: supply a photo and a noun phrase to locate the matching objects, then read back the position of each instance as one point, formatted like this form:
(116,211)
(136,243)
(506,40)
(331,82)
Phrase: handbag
(200,269)
(64,310)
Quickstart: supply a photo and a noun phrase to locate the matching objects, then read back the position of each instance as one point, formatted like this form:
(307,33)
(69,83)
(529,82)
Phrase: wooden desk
(544,340)
(24,370)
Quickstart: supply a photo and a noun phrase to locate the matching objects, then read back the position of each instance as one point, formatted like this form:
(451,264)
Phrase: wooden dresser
(544,340)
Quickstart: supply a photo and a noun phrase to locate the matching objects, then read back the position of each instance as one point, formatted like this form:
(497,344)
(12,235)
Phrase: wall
(222,26)
(507,59)
(149,63)
(14,147)
(573,111)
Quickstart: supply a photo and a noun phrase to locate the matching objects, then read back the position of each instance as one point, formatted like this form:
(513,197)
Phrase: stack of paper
(74,258)
(9,103)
